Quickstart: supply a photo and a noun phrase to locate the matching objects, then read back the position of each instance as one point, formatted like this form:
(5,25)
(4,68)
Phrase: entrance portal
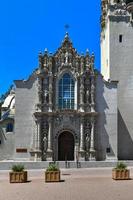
(66,146)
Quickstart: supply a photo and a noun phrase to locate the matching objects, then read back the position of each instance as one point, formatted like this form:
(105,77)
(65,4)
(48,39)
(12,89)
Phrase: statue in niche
(45,61)
(88,135)
(70,58)
(45,96)
(62,58)
(87,142)
(87,62)
(87,96)
(92,93)
(45,142)
(66,57)
(58,120)
(66,119)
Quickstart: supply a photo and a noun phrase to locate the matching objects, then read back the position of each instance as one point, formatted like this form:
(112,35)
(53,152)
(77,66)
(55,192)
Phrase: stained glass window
(66,92)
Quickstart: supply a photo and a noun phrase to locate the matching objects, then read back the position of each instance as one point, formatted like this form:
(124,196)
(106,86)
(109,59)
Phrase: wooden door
(66,146)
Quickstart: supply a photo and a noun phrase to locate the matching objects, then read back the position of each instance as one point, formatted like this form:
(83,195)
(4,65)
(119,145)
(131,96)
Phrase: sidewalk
(78,184)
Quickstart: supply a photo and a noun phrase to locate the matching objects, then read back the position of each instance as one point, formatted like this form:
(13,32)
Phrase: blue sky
(29,26)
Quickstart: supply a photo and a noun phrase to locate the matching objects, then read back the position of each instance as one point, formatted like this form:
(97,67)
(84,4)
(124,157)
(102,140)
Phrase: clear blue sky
(28,26)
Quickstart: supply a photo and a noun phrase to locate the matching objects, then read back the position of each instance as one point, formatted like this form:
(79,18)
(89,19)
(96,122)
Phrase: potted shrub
(18,175)
(52,173)
(120,172)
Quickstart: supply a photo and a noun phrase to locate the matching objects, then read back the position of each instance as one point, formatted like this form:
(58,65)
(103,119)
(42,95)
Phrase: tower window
(9,127)
(66,92)
(120,38)
(108,150)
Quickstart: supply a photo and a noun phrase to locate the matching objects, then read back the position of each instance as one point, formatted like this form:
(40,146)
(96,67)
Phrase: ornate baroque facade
(66,105)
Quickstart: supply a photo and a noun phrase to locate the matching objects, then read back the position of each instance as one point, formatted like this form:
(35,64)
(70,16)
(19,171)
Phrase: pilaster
(81,94)
(92,147)
(92,93)
(50,91)
(81,148)
(49,149)
(36,148)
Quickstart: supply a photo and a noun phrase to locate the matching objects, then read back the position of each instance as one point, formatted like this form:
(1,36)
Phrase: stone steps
(7,165)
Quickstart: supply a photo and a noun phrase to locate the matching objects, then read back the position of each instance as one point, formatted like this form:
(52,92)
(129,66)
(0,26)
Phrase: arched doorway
(66,146)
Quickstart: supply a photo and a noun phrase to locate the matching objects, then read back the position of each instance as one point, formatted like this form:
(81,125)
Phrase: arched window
(9,127)
(66,92)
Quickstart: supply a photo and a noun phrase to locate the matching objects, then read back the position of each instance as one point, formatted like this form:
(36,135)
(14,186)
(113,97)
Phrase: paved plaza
(76,184)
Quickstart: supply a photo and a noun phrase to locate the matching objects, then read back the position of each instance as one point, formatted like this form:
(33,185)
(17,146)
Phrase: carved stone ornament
(120,12)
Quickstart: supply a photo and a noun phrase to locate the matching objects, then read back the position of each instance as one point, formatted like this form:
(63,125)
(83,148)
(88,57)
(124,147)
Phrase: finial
(93,54)
(40,53)
(92,57)
(87,51)
(66,36)
(45,50)
(66,28)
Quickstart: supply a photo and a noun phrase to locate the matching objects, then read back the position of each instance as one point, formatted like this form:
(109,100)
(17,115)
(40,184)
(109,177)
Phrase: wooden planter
(52,176)
(121,174)
(18,177)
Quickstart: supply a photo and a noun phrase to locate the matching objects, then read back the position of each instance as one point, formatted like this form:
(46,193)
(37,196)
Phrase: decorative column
(49,149)
(81,134)
(40,89)
(81,95)
(87,138)
(36,151)
(92,93)
(92,148)
(81,149)
(50,91)
(87,94)
(82,64)
(77,64)
(38,134)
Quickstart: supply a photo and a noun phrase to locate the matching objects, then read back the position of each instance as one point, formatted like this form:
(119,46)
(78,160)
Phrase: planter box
(52,176)
(18,177)
(120,174)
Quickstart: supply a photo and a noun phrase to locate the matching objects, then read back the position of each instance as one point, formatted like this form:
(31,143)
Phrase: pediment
(66,53)
(66,58)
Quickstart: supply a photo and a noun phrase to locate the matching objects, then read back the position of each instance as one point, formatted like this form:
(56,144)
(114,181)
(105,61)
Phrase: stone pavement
(77,184)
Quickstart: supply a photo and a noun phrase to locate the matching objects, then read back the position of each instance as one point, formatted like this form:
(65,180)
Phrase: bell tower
(116,38)
(117,65)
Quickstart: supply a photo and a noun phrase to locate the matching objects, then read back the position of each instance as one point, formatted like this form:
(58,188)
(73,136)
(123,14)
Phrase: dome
(12,104)
(9,101)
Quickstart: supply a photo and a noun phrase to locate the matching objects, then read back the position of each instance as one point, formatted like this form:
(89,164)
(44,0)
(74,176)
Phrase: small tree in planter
(18,175)
(120,172)
(52,173)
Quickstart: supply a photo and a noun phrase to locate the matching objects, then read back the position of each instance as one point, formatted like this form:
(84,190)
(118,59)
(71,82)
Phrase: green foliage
(52,167)
(18,168)
(121,166)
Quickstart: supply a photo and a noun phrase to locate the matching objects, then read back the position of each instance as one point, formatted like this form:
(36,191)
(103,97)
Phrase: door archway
(66,146)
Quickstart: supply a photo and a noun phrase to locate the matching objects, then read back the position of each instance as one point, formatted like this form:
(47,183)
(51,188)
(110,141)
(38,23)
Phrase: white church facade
(67,110)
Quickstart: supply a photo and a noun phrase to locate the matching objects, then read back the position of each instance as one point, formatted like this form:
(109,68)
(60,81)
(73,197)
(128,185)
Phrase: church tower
(117,65)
